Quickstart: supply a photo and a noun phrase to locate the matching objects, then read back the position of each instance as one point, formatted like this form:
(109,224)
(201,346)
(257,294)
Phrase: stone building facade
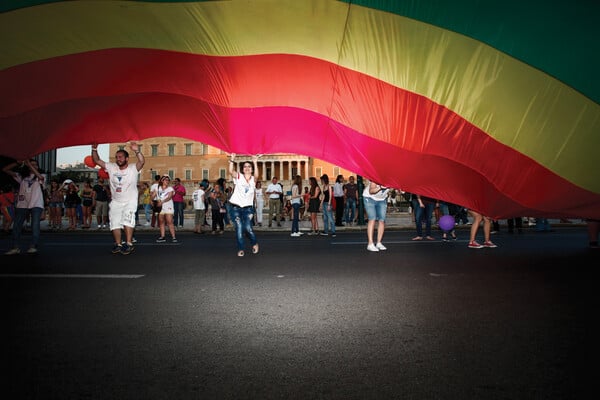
(193,161)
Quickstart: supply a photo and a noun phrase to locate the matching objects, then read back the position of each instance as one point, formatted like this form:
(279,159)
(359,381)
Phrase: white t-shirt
(30,192)
(296,191)
(154,188)
(274,187)
(167,206)
(381,195)
(198,199)
(243,193)
(123,182)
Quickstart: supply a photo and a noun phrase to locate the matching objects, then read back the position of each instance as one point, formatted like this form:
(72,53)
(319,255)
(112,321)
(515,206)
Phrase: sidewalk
(394,221)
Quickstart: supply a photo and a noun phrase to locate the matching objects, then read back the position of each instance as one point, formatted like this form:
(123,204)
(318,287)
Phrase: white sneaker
(295,234)
(13,252)
(380,246)
(372,247)
(32,250)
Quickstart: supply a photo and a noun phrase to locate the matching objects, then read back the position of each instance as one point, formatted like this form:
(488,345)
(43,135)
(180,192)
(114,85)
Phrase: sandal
(418,238)
(255,249)
(241,253)
(429,238)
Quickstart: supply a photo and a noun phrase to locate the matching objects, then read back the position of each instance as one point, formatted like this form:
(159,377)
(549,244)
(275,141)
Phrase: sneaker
(380,246)
(162,239)
(489,245)
(126,249)
(32,250)
(174,240)
(372,247)
(116,248)
(333,235)
(312,233)
(133,240)
(323,234)
(13,252)
(300,233)
(294,234)
(475,245)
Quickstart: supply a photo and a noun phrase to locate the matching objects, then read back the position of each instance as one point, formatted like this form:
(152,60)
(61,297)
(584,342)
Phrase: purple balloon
(447,222)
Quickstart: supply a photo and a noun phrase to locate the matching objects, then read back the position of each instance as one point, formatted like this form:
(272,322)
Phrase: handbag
(332,202)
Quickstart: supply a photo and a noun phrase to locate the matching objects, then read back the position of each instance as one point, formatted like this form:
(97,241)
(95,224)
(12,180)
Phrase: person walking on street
(487,227)
(30,199)
(375,199)
(123,181)
(167,209)
(242,202)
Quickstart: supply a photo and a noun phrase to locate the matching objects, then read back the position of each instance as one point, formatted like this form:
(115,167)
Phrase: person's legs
(476,221)
(19,220)
(272,204)
(428,215)
(380,231)
(36,213)
(418,219)
(236,216)
(295,218)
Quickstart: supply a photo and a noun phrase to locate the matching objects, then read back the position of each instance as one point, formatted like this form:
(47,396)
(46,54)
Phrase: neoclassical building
(193,161)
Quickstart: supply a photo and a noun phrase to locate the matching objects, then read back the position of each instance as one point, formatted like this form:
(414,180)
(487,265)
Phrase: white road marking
(94,276)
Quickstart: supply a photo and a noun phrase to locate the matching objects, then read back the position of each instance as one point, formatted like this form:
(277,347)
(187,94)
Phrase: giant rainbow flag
(491,105)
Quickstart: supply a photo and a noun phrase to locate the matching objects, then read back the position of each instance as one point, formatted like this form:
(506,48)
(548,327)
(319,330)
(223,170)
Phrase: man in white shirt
(199,207)
(274,191)
(123,179)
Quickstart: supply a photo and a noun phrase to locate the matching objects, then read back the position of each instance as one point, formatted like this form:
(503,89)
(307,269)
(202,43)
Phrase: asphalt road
(306,318)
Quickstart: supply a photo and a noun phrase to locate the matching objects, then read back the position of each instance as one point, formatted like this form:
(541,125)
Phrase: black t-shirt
(101,194)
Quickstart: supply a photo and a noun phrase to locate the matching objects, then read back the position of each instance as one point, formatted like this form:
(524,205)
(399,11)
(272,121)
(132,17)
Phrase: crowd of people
(121,203)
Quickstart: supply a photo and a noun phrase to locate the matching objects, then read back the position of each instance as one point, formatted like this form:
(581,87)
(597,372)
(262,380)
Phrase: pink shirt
(179,193)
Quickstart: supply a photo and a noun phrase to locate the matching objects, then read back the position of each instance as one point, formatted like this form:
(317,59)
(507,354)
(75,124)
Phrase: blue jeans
(20,216)
(242,219)
(349,209)
(328,220)
(178,214)
(423,213)
(296,217)
(148,212)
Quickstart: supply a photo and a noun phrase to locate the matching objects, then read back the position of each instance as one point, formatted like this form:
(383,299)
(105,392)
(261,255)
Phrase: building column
(280,169)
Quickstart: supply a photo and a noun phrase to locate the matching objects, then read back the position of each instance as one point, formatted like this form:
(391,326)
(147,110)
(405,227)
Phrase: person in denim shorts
(375,200)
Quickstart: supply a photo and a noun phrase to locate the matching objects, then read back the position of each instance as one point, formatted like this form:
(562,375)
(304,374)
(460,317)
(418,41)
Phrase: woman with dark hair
(296,201)
(314,203)
(30,199)
(326,200)
(242,202)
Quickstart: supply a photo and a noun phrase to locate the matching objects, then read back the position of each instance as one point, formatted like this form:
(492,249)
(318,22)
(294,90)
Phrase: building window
(336,171)
(171,174)
(154,150)
(222,173)
(188,174)
(121,147)
(205,174)
(318,173)
(188,149)
(203,149)
(294,172)
(171,150)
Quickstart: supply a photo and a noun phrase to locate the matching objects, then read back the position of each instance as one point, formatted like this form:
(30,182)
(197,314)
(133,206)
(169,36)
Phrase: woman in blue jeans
(375,199)
(242,202)
(295,201)
(29,200)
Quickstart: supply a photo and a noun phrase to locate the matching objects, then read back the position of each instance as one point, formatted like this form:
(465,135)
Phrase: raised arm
(232,171)
(96,157)
(255,162)
(138,155)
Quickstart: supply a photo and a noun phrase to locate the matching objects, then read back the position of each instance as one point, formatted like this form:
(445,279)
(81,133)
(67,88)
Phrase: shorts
(376,210)
(199,217)
(122,214)
(101,208)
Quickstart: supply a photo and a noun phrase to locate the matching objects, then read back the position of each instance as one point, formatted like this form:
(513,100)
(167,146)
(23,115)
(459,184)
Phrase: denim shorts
(375,209)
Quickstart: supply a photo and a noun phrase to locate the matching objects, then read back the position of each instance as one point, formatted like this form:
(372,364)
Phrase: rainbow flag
(489,106)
